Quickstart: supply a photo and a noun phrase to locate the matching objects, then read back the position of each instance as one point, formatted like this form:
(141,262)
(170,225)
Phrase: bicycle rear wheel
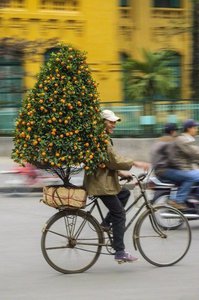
(71,241)
(162,245)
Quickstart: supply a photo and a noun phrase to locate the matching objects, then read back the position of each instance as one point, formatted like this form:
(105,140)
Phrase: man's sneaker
(122,256)
(180,206)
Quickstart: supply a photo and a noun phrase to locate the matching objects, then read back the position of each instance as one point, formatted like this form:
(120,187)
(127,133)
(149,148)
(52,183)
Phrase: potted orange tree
(59,127)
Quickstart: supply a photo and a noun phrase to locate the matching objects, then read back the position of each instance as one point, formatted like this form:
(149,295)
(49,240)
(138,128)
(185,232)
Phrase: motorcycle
(163,191)
(26,179)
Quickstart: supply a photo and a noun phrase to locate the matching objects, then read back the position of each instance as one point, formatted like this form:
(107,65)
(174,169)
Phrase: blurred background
(144,54)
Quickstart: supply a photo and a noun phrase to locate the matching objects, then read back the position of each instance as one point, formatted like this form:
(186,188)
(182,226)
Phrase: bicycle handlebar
(139,177)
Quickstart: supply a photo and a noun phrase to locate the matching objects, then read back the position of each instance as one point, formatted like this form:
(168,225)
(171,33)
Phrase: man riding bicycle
(104,183)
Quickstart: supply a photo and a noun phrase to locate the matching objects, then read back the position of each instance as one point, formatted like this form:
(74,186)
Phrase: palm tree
(149,78)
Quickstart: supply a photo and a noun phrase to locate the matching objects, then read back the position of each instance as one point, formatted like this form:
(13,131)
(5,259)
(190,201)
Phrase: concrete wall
(6,145)
(138,149)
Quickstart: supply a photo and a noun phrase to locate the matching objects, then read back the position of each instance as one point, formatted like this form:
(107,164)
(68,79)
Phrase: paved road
(25,275)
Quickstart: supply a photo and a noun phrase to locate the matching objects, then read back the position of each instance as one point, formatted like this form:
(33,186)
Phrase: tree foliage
(59,126)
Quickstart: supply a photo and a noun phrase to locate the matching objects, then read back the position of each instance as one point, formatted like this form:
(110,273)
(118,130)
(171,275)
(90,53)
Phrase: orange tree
(59,127)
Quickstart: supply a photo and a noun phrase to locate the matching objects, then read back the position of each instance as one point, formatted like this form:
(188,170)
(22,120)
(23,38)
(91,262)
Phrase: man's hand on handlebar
(125,175)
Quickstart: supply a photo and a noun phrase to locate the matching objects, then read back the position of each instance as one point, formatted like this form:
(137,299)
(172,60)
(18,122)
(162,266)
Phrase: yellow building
(106,30)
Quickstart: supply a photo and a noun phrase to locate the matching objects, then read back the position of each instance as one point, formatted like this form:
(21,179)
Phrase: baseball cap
(190,123)
(109,115)
(170,127)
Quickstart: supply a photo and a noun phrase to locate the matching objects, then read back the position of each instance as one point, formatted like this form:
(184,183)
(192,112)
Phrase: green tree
(59,127)
(148,78)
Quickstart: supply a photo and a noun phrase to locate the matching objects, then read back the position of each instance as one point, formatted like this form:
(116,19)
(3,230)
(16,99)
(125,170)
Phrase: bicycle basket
(60,196)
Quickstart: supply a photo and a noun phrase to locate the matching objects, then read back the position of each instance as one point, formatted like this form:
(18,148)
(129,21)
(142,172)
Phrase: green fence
(134,123)
(7,120)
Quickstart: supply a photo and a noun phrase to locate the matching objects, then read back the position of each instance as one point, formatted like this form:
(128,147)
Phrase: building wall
(158,29)
(88,26)
(102,29)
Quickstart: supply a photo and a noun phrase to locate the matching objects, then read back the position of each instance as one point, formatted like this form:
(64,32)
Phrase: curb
(8,190)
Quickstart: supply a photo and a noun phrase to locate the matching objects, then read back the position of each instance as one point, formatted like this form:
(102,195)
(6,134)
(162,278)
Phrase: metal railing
(136,124)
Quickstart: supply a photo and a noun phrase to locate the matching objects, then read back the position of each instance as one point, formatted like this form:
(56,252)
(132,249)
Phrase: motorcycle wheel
(161,199)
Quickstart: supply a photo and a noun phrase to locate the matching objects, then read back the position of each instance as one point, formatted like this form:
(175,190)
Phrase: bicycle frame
(105,239)
(128,209)
(146,205)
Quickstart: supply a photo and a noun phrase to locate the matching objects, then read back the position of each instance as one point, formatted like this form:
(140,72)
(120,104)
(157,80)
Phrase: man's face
(109,126)
(192,130)
(174,133)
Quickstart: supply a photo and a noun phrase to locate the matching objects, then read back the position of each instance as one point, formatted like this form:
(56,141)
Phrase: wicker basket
(60,196)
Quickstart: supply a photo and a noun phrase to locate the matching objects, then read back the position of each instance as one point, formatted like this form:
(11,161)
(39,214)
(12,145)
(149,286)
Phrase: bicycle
(72,239)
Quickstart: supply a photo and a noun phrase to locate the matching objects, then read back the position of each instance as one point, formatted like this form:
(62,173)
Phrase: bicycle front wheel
(163,245)
(71,241)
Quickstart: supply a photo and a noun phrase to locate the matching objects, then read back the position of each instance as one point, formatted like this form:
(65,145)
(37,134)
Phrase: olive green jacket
(105,179)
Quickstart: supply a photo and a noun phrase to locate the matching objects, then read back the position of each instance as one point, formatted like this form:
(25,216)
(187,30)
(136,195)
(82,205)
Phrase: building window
(11,78)
(175,65)
(12,3)
(124,3)
(49,52)
(167,3)
(59,4)
(123,59)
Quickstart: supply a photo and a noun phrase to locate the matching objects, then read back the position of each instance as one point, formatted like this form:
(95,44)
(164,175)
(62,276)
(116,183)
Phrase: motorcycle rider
(160,152)
(181,167)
